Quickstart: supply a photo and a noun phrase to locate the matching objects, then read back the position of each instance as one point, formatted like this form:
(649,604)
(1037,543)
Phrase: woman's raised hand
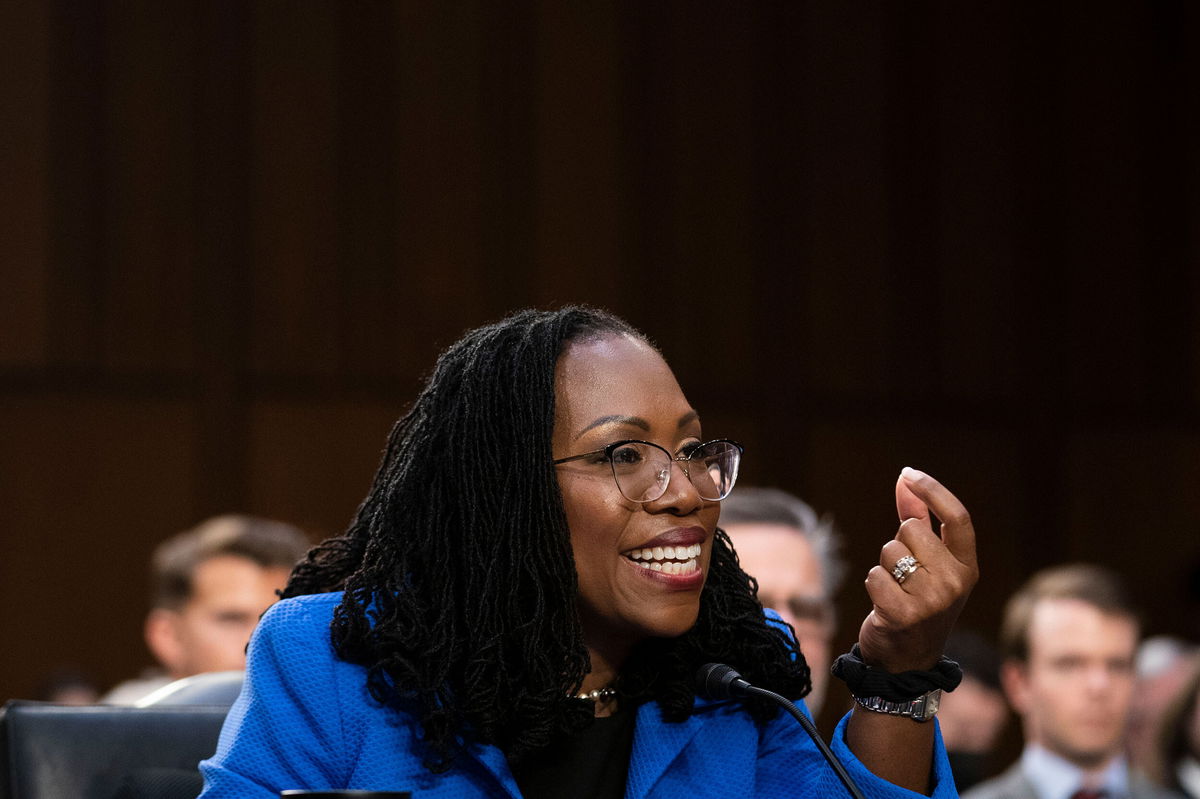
(914,611)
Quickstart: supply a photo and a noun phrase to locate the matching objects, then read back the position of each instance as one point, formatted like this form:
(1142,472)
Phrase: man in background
(1069,638)
(210,585)
(793,554)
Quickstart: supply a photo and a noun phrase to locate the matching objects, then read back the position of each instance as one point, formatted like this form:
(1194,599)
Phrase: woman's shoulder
(297,621)
(311,608)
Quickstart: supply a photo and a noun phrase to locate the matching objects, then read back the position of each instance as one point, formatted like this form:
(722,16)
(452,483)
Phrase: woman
(527,591)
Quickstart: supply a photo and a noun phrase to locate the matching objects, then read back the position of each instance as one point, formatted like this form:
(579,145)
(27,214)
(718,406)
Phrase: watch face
(932,700)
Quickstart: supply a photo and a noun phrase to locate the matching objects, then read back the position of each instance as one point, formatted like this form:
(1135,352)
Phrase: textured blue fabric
(305,720)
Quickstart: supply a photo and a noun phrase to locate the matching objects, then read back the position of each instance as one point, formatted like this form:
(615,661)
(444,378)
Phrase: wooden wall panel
(979,297)
(439,216)
(579,170)
(76,184)
(508,63)
(312,461)
(710,106)
(295,315)
(1101,222)
(1134,506)
(149,240)
(844,207)
(24,154)
(90,485)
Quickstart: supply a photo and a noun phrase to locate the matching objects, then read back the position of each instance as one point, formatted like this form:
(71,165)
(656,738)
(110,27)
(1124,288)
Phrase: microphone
(718,681)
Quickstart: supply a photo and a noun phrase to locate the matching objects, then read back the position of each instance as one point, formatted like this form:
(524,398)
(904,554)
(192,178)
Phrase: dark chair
(52,751)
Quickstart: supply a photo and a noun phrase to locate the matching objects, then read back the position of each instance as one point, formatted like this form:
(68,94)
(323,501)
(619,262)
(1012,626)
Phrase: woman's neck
(606,667)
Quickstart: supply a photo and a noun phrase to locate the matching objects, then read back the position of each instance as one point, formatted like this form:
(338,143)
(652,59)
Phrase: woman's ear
(163,639)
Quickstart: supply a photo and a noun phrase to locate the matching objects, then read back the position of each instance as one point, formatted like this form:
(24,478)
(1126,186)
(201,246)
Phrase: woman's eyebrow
(636,421)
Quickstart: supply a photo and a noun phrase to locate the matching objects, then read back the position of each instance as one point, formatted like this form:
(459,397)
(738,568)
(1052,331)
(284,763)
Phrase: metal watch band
(923,708)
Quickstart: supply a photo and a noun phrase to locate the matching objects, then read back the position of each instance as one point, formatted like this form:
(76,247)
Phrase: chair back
(209,688)
(50,751)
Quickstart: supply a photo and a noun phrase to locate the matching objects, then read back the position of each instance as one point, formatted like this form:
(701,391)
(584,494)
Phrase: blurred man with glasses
(793,553)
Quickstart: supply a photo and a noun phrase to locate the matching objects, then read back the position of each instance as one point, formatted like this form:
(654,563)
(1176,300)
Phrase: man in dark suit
(1070,635)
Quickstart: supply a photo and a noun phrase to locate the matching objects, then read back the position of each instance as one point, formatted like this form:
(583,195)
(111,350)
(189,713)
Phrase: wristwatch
(923,708)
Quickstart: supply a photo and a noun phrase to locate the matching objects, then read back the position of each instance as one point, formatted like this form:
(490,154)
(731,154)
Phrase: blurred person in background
(67,685)
(210,584)
(793,554)
(1176,761)
(1069,638)
(974,715)
(1162,667)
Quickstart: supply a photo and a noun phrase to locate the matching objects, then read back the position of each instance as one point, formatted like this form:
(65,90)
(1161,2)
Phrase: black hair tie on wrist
(862,680)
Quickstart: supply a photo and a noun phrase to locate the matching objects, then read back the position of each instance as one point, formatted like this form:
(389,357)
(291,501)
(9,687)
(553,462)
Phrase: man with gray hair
(793,553)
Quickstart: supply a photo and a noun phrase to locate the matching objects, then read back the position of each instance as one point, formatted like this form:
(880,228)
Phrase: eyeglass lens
(643,471)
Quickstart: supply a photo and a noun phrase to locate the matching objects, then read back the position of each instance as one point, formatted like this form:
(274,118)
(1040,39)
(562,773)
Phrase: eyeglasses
(643,470)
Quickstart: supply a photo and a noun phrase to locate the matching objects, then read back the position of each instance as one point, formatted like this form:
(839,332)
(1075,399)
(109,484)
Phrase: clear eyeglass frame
(642,469)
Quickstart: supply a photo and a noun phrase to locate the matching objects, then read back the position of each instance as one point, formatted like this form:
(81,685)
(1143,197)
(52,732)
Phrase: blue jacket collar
(656,744)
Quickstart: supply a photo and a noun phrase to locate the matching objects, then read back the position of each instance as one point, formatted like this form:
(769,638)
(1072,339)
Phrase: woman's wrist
(906,686)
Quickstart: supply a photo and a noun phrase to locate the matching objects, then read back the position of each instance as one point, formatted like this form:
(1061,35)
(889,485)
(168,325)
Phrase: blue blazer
(304,719)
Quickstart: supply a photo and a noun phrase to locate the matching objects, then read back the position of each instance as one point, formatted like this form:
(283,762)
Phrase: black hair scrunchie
(862,680)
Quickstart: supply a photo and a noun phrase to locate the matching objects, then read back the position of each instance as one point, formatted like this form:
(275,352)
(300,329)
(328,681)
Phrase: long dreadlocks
(460,585)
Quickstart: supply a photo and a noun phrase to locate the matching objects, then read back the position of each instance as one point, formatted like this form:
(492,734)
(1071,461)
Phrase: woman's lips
(675,537)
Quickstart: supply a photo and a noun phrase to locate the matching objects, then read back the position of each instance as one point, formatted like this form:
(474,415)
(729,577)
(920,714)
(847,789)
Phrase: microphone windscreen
(713,681)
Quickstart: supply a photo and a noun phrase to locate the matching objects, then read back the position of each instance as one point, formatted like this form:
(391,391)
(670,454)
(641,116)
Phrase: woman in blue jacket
(523,599)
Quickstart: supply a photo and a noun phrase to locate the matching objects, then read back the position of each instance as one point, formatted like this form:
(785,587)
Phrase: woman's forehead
(617,375)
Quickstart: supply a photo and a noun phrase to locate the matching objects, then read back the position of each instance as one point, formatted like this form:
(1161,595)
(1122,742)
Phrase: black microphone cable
(718,681)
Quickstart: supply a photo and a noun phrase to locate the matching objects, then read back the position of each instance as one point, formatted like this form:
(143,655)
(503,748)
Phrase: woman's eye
(687,449)
(626,456)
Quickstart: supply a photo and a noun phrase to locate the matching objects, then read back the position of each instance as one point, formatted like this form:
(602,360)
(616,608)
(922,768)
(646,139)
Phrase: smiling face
(609,389)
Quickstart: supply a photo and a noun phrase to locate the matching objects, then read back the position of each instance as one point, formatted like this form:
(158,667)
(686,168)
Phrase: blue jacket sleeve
(285,729)
(789,762)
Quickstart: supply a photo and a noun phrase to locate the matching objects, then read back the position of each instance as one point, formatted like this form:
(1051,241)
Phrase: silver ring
(904,567)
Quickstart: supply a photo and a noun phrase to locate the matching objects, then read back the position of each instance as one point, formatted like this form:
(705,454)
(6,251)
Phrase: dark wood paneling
(440,216)
(148,257)
(24,155)
(90,485)
(295,321)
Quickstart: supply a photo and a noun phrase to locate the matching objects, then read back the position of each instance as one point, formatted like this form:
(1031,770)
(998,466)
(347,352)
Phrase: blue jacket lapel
(491,758)
(656,744)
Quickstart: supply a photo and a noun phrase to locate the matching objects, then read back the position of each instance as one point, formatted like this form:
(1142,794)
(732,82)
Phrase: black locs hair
(460,584)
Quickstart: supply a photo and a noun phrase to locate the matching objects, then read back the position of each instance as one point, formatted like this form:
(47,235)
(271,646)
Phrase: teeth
(661,554)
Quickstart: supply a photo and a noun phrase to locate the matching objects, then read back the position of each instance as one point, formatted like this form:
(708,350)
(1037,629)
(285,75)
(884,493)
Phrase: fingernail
(911,474)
